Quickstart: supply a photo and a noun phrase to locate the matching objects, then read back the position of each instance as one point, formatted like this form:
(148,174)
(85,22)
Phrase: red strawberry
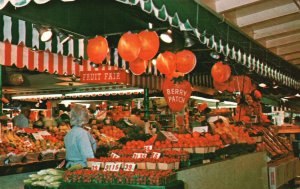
(177,94)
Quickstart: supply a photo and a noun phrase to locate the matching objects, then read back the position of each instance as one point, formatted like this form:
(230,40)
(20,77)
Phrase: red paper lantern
(138,66)
(129,46)
(185,61)
(240,83)
(97,49)
(150,44)
(220,72)
(165,62)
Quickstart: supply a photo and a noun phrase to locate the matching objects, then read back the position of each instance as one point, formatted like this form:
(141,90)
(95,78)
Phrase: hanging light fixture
(45,33)
(215,55)
(78,60)
(94,65)
(166,36)
(62,36)
(188,41)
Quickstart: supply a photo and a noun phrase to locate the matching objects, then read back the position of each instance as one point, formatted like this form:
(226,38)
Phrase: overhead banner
(103,76)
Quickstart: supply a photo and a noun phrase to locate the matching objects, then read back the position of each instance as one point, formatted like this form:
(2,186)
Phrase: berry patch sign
(177,93)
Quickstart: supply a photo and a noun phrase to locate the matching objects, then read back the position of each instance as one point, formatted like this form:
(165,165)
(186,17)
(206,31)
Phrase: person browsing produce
(79,144)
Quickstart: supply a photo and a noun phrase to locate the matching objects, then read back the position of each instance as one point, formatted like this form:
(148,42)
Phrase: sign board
(167,135)
(96,166)
(202,129)
(103,76)
(111,166)
(114,155)
(139,155)
(148,148)
(129,167)
(37,136)
(156,155)
(44,133)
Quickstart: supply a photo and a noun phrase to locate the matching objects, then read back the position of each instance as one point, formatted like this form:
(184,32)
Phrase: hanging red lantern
(220,72)
(240,83)
(138,66)
(175,75)
(150,44)
(185,61)
(129,46)
(166,62)
(97,49)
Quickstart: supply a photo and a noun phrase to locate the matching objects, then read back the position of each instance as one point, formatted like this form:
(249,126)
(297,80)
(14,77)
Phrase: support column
(146,103)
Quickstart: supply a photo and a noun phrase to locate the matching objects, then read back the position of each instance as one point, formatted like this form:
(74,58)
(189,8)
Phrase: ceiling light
(94,65)
(44,32)
(297,95)
(153,62)
(167,36)
(150,25)
(230,103)
(62,36)
(215,55)
(275,86)
(45,96)
(105,93)
(262,85)
(204,99)
(78,60)
(188,41)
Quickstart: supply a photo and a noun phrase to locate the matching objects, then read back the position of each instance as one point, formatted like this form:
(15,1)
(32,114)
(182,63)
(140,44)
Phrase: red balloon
(150,44)
(220,72)
(97,49)
(185,61)
(129,46)
(138,66)
(166,62)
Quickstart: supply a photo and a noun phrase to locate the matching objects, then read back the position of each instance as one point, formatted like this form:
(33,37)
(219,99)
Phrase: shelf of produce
(27,167)
(288,130)
(175,185)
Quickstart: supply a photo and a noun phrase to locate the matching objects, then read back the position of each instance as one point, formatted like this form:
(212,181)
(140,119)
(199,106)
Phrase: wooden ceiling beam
(288,50)
(228,5)
(264,12)
(275,42)
(209,3)
(276,29)
(292,56)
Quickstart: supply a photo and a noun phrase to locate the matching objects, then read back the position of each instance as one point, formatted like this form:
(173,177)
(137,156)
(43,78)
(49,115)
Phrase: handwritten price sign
(114,155)
(129,167)
(110,166)
(139,155)
(156,155)
(96,166)
(148,148)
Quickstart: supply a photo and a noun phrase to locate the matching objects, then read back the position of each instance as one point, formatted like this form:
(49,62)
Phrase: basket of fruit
(32,157)
(16,158)
(47,155)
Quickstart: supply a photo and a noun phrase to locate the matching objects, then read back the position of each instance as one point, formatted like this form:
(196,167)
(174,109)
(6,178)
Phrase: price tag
(169,136)
(148,148)
(37,136)
(45,133)
(110,166)
(139,155)
(114,155)
(27,143)
(156,155)
(129,167)
(96,166)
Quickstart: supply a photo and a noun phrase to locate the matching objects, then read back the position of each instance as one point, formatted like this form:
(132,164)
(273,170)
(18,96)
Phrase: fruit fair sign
(177,93)
(103,76)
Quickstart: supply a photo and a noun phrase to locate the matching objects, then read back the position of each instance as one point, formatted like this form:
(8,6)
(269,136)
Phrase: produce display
(51,178)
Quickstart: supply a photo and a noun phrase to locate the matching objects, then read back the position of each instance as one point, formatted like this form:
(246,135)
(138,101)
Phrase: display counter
(247,171)
(175,185)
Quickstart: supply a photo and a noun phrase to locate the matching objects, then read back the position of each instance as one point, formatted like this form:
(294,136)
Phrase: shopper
(22,120)
(79,144)
(40,122)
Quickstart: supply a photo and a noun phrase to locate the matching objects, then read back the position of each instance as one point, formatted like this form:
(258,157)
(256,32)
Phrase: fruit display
(59,131)
(112,131)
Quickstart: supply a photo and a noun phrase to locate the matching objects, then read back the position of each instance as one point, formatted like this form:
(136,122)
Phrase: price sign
(148,148)
(129,167)
(169,136)
(96,166)
(27,143)
(114,155)
(44,133)
(156,155)
(139,155)
(37,136)
(110,166)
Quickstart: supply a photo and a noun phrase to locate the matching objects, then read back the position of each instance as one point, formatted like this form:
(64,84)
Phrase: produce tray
(32,157)
(60,155)
(47,156)
(15,159)
(2,159)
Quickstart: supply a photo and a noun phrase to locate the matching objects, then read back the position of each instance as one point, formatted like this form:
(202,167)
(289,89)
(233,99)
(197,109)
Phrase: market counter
(247,171)
(174,185)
